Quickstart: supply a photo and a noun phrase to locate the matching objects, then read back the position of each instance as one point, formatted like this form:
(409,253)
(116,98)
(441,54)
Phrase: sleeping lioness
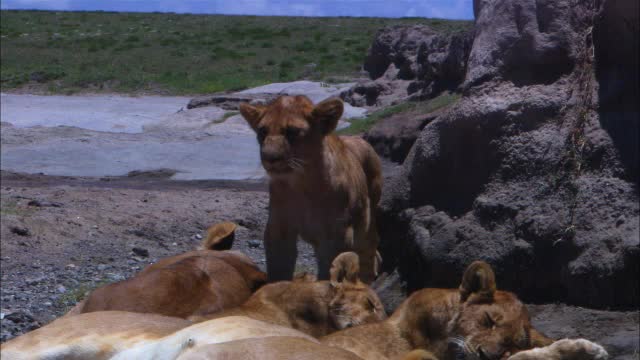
(207,280)
(475,321)
(125,335)
(323,188)
(314,307)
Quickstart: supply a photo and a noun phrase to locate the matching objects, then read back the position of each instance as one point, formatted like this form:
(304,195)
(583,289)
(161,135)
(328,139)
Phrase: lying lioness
(316,308)
(323,188)
(269,348)
(95,335)
(197,282)
(474,321)
(124,335)
(280,348)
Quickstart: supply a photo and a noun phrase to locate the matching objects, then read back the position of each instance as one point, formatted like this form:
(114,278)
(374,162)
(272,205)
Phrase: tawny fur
(95,335)
(282,348)
(324,188)
(120,335)
(203,281)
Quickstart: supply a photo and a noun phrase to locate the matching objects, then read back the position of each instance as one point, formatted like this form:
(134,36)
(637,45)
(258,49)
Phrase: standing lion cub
(323,188)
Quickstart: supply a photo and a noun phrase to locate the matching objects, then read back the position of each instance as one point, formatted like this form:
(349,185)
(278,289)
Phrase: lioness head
(290,129)
(489,324)
(353,303)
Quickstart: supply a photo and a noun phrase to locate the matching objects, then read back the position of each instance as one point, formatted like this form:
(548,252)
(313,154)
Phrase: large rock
(411,62)
(529,170)
(394,136)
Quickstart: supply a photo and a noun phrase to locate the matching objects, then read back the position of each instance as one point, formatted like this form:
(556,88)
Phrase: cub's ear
(345,268)
(538,339)
(327,113)
(478,283)
(251,113)
(219,236)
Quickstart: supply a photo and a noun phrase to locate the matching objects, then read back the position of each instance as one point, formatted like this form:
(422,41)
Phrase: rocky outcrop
(529,171)
(411,62)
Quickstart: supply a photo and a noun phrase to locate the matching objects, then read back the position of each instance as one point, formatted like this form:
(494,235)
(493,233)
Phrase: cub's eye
(371,304)
(488,320)
(292,134)
(262,133)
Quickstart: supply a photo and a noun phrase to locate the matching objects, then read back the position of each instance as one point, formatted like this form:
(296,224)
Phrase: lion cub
(323,188)
(316,308)
(473,321)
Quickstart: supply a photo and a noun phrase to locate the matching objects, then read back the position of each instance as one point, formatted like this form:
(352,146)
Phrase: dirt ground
(62,236)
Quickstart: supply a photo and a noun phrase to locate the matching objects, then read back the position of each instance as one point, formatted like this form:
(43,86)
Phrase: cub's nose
(271,156)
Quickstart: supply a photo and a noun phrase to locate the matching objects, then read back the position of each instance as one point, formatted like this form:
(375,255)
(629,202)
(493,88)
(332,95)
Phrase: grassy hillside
(182,54)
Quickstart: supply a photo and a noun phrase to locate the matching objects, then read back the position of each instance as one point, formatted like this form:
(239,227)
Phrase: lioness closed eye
(323,188)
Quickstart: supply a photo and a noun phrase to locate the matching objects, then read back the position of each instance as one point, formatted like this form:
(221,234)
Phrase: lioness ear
(538,339)
(327,113)
(478,280)
(345,268)
(220,236)
(251,113)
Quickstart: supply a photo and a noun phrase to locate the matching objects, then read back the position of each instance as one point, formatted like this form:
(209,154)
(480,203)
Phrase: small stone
(71,266)
(48,303)
(61,289)
(21,231)
(140,251)
(198,236)
(34,203)
(34,281)
(102,267)
(254,243)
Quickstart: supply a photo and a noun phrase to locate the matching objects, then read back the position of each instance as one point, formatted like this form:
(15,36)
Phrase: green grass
(76,294)
(181,54)
(11,207)
(361,125)
(225,117)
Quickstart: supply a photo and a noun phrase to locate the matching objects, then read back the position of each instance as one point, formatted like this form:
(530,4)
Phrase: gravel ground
(63,236)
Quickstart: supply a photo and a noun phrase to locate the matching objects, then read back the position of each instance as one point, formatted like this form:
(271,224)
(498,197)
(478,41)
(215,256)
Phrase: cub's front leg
(280,247)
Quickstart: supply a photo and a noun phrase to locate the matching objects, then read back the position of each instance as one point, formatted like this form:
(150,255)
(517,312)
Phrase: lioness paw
(565,349)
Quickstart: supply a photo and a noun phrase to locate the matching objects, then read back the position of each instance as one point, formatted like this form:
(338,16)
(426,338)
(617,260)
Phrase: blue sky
(448,9)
